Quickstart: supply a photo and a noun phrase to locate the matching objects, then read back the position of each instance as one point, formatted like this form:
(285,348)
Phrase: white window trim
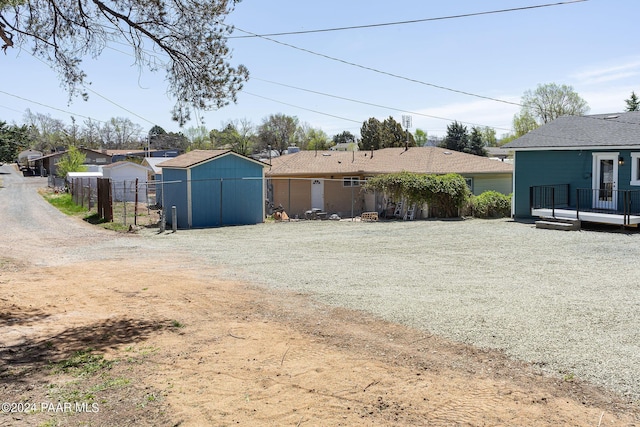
(350,181)
(635,169)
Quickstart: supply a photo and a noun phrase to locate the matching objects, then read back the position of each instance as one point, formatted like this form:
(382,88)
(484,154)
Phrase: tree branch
(7,38)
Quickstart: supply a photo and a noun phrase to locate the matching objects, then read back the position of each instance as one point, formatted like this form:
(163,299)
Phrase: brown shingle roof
(431,160)
(192,158)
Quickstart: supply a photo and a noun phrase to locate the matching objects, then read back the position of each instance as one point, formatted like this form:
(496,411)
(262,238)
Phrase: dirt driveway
(160,339)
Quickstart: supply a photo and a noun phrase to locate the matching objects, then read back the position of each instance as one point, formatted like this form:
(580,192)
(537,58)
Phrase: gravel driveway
(569,302)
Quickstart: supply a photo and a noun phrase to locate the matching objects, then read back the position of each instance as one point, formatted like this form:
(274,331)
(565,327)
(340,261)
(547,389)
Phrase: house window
(635,169)
(101,160)
(351,181)
(469,182)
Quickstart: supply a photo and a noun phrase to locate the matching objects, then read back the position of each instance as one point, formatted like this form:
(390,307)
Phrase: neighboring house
(212,188)
(26,158)
(155,171)
(499,153)
(344,146)
(580,167)
(119,155)
(128,181)
(331,180)
(47,165)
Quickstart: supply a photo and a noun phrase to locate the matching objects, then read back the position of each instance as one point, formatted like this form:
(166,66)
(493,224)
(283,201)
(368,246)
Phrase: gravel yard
(569,302)
(231,325)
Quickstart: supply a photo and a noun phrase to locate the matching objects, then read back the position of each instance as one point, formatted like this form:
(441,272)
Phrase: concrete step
(559,224)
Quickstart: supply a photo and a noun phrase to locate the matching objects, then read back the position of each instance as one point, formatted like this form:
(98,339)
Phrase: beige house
(331,180)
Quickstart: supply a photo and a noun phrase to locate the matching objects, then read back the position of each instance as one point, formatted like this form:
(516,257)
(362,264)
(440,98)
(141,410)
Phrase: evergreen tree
(457,138)
(633,103)
(12,139)
(345,137)
(476,143)
(371,134)
(377,135)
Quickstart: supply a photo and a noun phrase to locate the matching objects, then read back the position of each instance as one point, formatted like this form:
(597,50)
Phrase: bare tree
(550,101)
(46,132)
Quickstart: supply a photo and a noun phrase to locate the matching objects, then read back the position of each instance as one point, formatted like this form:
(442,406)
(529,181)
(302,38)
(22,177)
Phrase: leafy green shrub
(491,204)
(446,192)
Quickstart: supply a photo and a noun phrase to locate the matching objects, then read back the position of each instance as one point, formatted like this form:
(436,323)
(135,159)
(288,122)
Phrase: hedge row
(449,193)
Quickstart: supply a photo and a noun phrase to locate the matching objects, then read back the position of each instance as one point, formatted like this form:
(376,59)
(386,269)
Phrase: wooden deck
(599,217)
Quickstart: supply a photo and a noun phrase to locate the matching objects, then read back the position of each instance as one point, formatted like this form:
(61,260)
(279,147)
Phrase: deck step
(559,224)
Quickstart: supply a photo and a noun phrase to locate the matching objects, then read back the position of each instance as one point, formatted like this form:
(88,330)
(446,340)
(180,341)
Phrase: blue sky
(590,45)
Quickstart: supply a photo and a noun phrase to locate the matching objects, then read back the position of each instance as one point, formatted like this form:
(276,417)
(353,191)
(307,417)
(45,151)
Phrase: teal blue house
(580,167)
(213,188)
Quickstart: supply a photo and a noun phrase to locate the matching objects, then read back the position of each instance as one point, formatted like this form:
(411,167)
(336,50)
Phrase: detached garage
(213,188)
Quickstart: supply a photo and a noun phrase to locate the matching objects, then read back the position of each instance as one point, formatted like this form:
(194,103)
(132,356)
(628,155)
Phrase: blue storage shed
(213,188)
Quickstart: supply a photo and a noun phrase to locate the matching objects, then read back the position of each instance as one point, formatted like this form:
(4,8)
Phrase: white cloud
(608,73)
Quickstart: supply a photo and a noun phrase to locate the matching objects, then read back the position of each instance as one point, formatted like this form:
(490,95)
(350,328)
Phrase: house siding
(534,168)
(501,183)
(175,194)
(338,198)
(293,194)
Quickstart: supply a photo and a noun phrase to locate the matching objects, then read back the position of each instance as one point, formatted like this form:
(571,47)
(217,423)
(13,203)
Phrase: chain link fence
(125,203)
(230,201)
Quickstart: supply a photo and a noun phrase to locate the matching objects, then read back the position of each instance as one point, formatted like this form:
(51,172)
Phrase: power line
(97,94)
(372,104)
(119,106)
(48,106)
(413,21)
(382,72)
(302,108)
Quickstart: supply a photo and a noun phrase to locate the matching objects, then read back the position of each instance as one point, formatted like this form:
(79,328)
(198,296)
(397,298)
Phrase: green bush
(448,193)
(491,204)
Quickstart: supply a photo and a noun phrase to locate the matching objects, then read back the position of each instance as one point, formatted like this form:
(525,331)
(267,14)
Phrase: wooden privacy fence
(105,207)
(83,191)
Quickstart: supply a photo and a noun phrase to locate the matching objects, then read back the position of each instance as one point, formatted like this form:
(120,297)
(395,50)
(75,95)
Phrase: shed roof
(430,160)
(196,157)
(577,132)
(122,163)
(153,163)
(84,174)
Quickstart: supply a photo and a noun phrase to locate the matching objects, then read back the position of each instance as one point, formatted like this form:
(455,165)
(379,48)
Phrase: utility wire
(48,106)
(302,108)
(413,21)
(382,72)
(372,104)
(97,94)
(343,98)
(120,106)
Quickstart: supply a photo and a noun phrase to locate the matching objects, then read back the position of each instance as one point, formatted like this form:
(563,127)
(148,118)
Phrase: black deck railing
(607,201)
(549,197)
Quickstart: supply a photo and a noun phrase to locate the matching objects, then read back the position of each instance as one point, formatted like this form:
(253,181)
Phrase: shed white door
(605,181)
(317,193)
